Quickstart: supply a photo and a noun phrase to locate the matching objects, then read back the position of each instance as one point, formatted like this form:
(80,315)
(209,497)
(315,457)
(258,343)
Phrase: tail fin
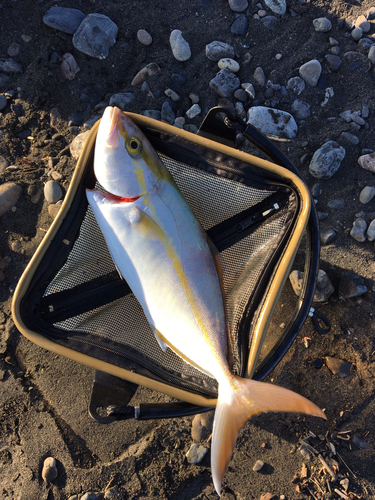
(239,401)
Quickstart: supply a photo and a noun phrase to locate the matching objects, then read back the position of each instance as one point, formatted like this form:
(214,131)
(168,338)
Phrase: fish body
(162,252)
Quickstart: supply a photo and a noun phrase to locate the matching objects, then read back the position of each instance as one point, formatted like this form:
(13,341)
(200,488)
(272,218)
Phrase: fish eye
(134,146)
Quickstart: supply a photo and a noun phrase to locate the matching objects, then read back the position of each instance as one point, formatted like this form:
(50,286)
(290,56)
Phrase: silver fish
(164,255)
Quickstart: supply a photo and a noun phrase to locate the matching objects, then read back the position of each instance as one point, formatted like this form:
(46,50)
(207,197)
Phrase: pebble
(150,70)
(357,119)
(225,83)
(300,109)
(357,34)
(335,50)
(270,22)
(54,209)
(363,23)
(76,145)
(337,205)
(367,162)
(322,24)
(258,465)
(327,235)
(296,85)
(9,195)
(167,113)
(367,194)
(240,110)
(326,160)
(351,138)
(91,495)
(345,484)
(310,72)
(334,62)
(172,94)
(371,54)
(194,98)
(249,89)
(121,100)
(241,95)
(180,47)
(365,43)
(52,191)
(272,121)
(371,231)
(194,111)
(238,5)
(219,50)
(324,287)
(111,493)
(240,25)
(88,124)
(277,6)
(63,19)
(229,63)
(259,76)
(10,66)
(13,49)
(69,66)
(49,471)
(338,366)
(144,37)
(95,36)
(196,453)
(358,231)
(202,426)
(3,102)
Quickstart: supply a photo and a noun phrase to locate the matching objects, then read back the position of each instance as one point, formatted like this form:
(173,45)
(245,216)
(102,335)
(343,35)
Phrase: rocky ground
(45,102)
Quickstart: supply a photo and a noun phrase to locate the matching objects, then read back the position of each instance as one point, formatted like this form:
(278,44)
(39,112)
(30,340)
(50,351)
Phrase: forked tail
(237,402)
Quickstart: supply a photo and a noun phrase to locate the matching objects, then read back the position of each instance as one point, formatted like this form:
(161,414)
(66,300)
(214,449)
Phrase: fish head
(125,163)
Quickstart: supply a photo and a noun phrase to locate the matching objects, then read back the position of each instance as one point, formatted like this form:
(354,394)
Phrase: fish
(171,266)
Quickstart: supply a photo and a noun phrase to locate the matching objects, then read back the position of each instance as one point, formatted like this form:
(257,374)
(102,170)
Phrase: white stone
(144,37)
(277,6)
(367,194)
(322,24)
(367,162)
(311,72)
(326,160)
(193,111)
(371,54)
(229,63)
(196,453)
(69,66)
(180,47)
(272,121)
(371,231)
(172,94)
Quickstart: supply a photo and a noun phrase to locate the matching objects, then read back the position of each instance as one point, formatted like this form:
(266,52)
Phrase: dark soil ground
(44,398)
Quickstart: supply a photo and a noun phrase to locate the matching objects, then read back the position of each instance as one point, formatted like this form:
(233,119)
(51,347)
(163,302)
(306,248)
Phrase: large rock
(272,121)
(9,194)
(277,6)
(218,50)
(326,160)
(95,36)
(225,83)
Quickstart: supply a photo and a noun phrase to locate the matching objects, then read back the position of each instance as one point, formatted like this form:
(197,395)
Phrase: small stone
(322,24)
(95,36)
(357,119)
(229,63)
(323,215)
(272,121)
(351,138)
(351,285)
(111,493)
(268,496)
(367,162)
(219,50)
(63,19)
(149,70)
(49,471)
(358,231)
(13,49)
(278,57)
(180,47)
(318,363)
(144,37)
(338,366)
(371,54)
(240,25)
(327,235)
(238,5)
(196,453)
(258,465)
(296,85)
(357,34)
(91,495)
(172,94)
(249,89)
(363,23)
(260,76)
(345,484)
(9,195)
(335,50)
(337,205)
(121,100)
(333,41)
(225,83)
(10,66)
(202,426)
(359,442)
(326,160)
(194,98)
(300,109)
(241,95)
(334,62)
(167,113)
(371,231)
(54,209)
(193,111)
(76,145)
(26,38)
(69,66)
(277,6)
(52,191)
(270,22)
(367,194)
(240,110)
(310,72)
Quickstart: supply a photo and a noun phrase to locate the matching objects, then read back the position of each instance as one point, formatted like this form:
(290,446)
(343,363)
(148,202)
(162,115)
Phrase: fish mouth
(109,126)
